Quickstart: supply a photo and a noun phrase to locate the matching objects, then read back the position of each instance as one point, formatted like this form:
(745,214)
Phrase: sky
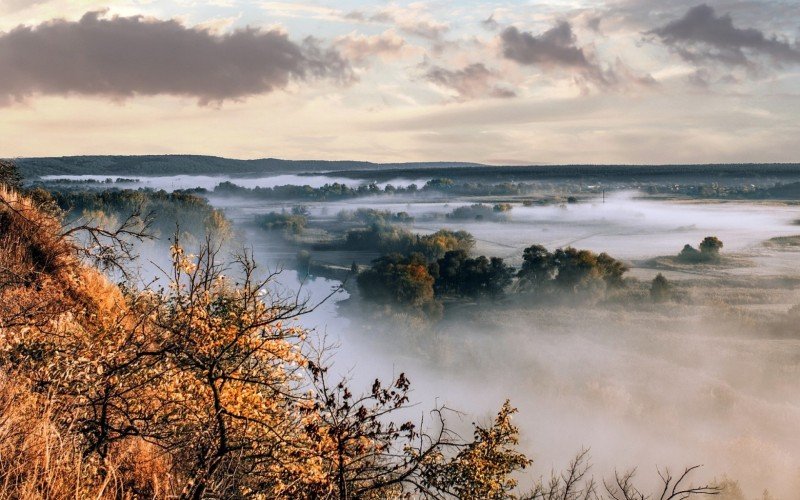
(498,82)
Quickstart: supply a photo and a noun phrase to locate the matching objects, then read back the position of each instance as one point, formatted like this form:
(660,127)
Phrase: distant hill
(599,173)
(199,165)
(145,165)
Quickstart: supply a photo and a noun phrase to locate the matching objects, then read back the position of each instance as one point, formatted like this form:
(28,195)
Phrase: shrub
(709,251)
(660,289)
(291,223)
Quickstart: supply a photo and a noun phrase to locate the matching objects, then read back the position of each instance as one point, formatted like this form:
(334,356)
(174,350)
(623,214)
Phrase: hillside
(197,165)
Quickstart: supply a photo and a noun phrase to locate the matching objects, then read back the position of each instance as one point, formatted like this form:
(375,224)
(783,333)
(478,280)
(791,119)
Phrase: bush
(660,289)
(709,251)
(710,245)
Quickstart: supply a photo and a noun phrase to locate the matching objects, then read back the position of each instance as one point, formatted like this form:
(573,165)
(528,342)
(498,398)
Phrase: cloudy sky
(503,82)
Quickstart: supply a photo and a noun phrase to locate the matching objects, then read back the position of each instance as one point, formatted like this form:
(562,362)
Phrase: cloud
(359,47)
(8,6)
(556,47)
(700,35)
(120,57)
(412,21)
(490,23)
(470,82)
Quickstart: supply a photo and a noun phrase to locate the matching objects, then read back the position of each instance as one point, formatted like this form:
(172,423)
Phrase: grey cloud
(700,35)
(556,47)
(470,82)
(121,57)
(490,23)
(593,23)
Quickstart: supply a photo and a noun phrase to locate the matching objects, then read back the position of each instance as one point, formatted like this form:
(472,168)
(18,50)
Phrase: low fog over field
(700,380)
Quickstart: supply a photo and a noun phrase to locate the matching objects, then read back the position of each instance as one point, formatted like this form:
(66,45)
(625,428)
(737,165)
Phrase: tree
(578,270)
(660,289)
(611,270)
(710,246)
(449,267)
(483,468)
(397,280)
(461,275)
(538,267)
(709,251)
(10,176)
(689,254)
(569,269)
(574,483)
(361,450)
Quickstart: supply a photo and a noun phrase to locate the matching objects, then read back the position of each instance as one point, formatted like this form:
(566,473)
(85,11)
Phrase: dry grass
(42,282)
(39,460)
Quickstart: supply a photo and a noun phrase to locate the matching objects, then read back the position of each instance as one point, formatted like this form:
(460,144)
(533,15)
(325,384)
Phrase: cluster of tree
(480,211)
(370,216)
(205,388)
(107,180)
(400,280)
(293,222)
(388,239)
(708,252)
(460,275)
(415,283)
(569,270)
(192,214)
(411,281)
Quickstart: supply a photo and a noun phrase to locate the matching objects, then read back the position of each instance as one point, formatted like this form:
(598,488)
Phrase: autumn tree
(710,246)
(483,468)
(363,451)
(398,280)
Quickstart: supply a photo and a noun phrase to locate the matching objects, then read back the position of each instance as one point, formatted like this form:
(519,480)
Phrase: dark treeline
(335,191)
(199,165)
(416,282)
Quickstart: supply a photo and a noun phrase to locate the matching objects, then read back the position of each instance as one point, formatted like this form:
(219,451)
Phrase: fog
(695,382)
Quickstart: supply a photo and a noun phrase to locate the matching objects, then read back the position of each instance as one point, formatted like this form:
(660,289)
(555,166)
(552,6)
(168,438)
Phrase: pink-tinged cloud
(120,57)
